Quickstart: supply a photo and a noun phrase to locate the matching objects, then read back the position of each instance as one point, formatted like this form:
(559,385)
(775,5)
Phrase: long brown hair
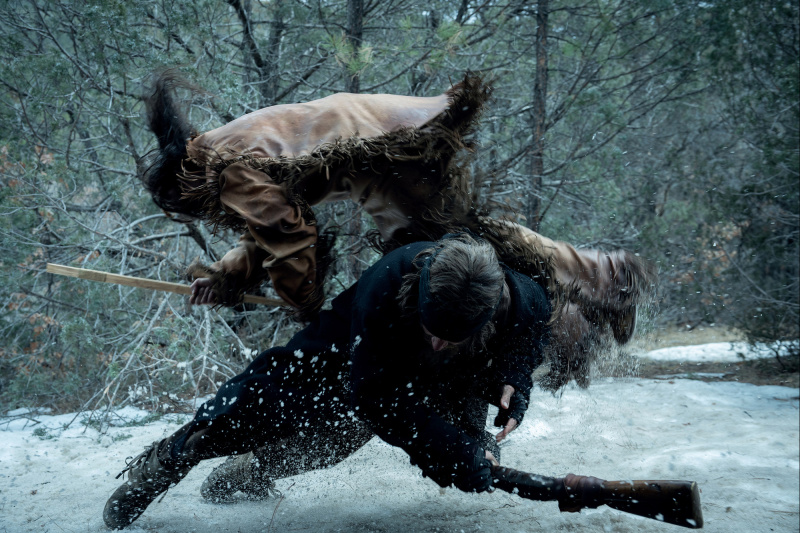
(165,167)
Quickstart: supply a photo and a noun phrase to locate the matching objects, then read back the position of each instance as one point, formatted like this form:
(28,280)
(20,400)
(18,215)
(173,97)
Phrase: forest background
(666,127)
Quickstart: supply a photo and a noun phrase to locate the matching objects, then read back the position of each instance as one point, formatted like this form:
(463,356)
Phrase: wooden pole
(143,283)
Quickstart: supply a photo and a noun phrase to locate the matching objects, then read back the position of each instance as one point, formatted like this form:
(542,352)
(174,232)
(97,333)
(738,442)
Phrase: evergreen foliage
(670,128)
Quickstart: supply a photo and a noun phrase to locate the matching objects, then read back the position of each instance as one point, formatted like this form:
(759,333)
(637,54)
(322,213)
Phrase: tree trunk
(265,68)
(269,74)
(355,32)
(538,117)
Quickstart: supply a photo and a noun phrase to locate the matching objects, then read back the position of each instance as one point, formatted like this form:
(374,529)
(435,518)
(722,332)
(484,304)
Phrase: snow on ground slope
(716,352)
(738,441)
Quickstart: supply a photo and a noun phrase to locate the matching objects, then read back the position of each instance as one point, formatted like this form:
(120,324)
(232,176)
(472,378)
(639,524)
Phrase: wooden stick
(143,283)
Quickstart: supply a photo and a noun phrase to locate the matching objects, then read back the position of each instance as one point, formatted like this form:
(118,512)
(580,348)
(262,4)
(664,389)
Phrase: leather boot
(238,473)
(570,350)
(623,324)
(608,284)
(149,474)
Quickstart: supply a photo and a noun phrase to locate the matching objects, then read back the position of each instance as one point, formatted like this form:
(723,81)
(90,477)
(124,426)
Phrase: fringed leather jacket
(393,155)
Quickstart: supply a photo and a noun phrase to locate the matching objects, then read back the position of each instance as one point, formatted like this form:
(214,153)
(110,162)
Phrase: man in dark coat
(415,350)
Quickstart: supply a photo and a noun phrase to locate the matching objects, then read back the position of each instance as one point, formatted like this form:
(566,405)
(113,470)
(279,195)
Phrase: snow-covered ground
(738,441)
(715,352)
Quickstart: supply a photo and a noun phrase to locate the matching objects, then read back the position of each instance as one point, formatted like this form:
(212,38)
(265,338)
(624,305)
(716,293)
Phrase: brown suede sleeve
(243,261)
(233,275)
(294,278)
(280,240)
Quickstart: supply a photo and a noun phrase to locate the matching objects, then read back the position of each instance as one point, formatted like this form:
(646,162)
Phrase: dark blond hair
(465,278)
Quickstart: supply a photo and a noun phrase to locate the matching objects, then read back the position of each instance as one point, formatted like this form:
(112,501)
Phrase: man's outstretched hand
(202,293)
(505,403)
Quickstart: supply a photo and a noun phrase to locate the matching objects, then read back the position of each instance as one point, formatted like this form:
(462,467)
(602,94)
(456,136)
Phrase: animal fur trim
(440,139)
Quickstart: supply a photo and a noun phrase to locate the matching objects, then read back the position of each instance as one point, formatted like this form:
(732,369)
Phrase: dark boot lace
(140,461)
(137,461)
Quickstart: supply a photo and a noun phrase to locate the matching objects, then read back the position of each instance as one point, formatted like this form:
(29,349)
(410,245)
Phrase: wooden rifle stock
(673,502)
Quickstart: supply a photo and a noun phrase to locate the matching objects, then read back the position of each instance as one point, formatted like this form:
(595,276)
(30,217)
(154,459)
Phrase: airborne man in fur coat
(401,159)
(261,173)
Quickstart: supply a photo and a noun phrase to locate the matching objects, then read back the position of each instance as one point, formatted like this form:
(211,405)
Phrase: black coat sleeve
(517,360)
(385,349)
(518,347)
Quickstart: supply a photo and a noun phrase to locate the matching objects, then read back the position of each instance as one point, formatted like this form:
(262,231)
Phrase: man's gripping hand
(512,410)
(202,292)
(473,476)
(478,476)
